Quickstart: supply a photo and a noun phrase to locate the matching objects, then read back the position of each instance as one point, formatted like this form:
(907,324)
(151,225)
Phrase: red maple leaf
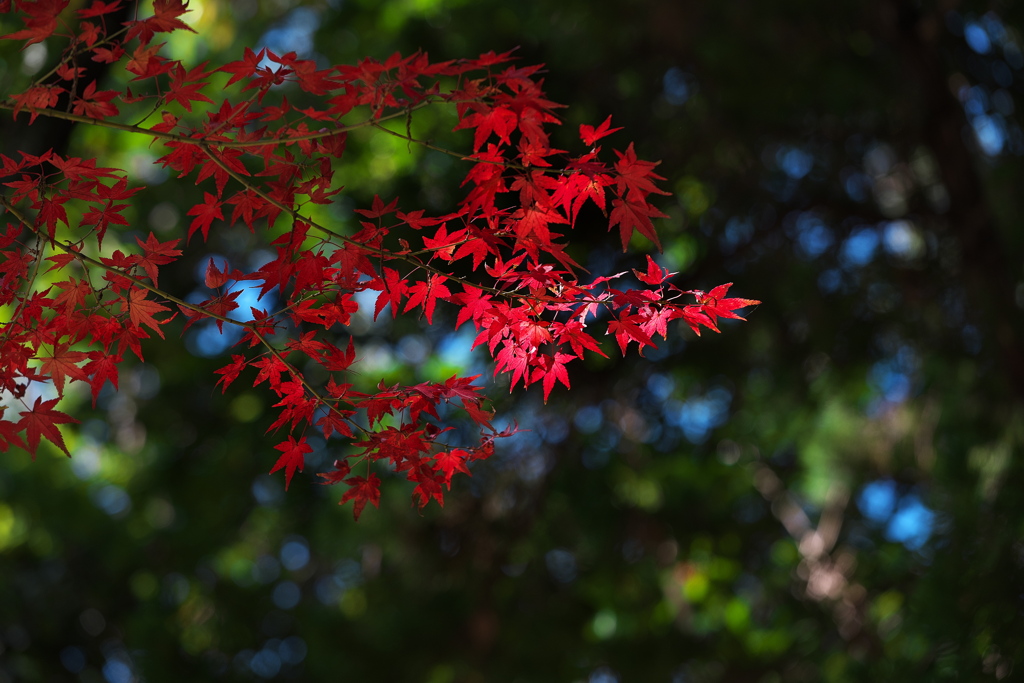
(498,120)
(141,310)
(572,332)
(42,421)
(590,135)
(443,243)
(95,104)
(362,490)
(627,329)
(52,210)
(164,19)
(428,485)
(293,457)
(40,22)
(574,190)
(99,8)
(229,373)
(9,433)
(245,67)
(635,176)
(100,368)
(336,422)
(629,216)
(392,288)
(205,214)
(714,305)
(73,295)
(552,368)
(341,470)
(655,274)
(216,277)
(184,88)
(426,294)
(450,462)
(62,363)
(473,303)
(156,254)
(37,97)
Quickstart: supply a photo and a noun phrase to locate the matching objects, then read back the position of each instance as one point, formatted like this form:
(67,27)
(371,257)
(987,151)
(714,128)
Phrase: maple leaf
(229,373)
(379,208)
(629,216)
(141,311)
(215,277)
(60,261)
(416,220)
(334,359)
(245,67)
(574,190)
(635,176)
(99,8)
(37,97)
(295,405)
(572,332)
(692,316)
(443,243)
(95,105)
(9,433)
(626,330)
(75,168)
(103,217)
(498,120)
(657,321)
(316,82)
(100,368)
(340,472)
(247,204)
(165,13)
(73,295)
(106,55)
(552,368)
(426,294)
(164,19)
(428,485)
(532,224)
(590,135)
(479,246)
(336,422)
(293,457)
(67,73)
(90,33)
(42,421)
(52,210)
(392,288)
(655,274)
(473,304)
(156,254)
(205,214)
(271,369)
(514,359)
(41,21)
(464,389)
(61,363)
(362,490)
(184,90)
(714,305)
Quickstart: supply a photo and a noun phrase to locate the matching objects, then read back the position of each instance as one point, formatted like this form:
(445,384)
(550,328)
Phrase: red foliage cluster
(264,163)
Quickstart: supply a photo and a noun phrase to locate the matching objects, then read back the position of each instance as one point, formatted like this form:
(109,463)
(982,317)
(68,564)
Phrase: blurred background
(828,492)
